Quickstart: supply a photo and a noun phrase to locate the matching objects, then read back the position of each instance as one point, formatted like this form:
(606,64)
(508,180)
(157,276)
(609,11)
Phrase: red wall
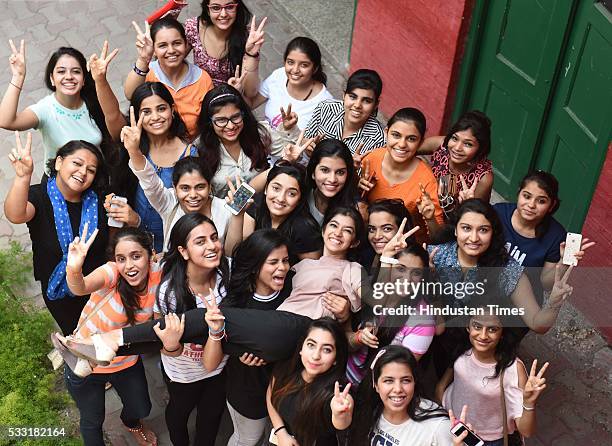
(416,47)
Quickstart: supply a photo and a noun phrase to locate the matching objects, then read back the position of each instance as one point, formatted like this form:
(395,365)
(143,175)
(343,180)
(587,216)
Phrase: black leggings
(269,335)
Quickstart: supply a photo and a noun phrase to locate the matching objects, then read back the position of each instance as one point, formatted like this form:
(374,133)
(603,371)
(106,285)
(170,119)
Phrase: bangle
(528,408)
(16,86)
(175,350)
(218,338)
(389,260)
(254,56)
(215,332)
(140,72)
(278,429)
(358,337)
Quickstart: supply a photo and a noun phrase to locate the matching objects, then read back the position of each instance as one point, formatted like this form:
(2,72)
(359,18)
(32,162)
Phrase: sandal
(98,353)
(143,435)
(79,367)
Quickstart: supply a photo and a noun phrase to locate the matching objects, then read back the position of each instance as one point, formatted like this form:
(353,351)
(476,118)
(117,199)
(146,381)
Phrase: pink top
(218,69)
(440,168)
(314,278)
(473,386)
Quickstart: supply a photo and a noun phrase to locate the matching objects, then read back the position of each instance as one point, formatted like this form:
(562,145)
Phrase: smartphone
(111,221)
(573,242)
(273,438)
(471,440)
(241,197)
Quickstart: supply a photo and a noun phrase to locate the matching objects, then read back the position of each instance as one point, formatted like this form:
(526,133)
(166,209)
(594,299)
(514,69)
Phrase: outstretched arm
(17,208)
(108,101)
(144,46)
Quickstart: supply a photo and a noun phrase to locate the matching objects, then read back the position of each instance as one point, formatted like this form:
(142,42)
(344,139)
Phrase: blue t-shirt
(530,252)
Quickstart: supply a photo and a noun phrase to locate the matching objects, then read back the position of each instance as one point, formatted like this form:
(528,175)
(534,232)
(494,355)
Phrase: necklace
(309,93)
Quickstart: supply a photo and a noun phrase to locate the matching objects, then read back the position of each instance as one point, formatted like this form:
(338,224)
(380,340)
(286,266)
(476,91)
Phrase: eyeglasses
(229,8)
(222,122)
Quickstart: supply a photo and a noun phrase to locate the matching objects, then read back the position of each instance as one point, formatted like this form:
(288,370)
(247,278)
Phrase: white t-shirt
(275,89)
(188,367)
(59,125)
(431,432)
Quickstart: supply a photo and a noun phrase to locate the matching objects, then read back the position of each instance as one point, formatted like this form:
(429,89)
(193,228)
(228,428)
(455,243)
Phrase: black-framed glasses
(229,8)
(222,122)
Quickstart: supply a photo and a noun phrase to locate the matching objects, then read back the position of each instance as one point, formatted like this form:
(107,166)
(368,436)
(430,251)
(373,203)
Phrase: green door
(520,49)
(578,129)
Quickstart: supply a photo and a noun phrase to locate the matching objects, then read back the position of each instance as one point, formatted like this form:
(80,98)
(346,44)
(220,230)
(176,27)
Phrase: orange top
(408,191)
(188,95)
(112,314)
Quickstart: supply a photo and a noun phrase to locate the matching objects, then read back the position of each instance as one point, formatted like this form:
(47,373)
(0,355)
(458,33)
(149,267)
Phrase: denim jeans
(89,395)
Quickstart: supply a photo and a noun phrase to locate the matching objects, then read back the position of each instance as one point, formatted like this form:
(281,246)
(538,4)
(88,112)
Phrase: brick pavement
(575,408)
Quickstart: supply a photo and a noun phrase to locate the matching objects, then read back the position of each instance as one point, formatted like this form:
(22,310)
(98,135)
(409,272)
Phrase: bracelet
(254,56)
(389,260)
(528,408)
(214,332)
(278,429)
(175,350)
(16,86)
(358,337)
(219,338)
(140,72)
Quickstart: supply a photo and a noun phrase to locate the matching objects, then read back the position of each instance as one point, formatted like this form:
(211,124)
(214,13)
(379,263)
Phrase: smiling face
(273,272)
(76,171)
(223,13)
(282,195)
(231,132)
(359,104)
(462,146)
(381,229)
(299,68)
(474,233)
(330,176)
(67,76)
(395,385)
(533,203)
(485,332)
(410,267)
(403,140)
(192,191)
(132,261)
(318,353)
(170,48)
(203,248)
(157,115)
(339,235)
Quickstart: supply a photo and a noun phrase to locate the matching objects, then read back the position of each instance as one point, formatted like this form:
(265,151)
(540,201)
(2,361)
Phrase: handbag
(515,438)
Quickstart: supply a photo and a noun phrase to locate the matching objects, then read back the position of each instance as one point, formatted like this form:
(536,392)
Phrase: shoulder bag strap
(94,311)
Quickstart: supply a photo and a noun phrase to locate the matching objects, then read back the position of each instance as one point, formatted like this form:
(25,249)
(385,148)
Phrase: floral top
(218,69)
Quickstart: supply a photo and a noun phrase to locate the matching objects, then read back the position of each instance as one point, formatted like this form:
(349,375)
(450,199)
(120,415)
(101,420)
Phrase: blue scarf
(58,287)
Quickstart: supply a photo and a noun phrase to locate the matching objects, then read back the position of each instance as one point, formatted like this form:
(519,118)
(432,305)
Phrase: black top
(302,231)
(247,386)
(45,245)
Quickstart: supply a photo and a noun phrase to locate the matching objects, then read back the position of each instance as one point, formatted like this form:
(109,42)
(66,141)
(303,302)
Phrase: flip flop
(79,366)
(81,350)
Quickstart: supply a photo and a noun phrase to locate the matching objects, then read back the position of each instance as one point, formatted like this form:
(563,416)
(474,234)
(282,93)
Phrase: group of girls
(270,313)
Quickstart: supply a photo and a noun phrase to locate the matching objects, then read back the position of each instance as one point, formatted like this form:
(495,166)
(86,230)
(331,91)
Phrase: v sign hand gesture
(21,157)
(290,118)
(98,65)
(560,290)
(144,44)
(130,135)
(213,317)
(18,63)
(425,204)
(535,385)
(237,80)
(292,152)
(398,241)
(342,402)
(256,37)
(77,250)
(466,192)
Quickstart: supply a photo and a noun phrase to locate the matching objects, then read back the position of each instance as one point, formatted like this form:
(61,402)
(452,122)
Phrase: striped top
(328,120)
(112,314)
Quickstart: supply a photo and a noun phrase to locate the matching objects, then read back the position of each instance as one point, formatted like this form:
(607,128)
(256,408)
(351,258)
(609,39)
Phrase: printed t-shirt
(112,314)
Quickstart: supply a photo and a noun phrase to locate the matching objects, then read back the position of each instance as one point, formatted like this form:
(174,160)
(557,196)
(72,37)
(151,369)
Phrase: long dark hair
(247,259)
(334,148)
(254,145)
(238,34)
(175,266)
(129,296)
(310,407)
(311,49)
(549,184)
(396,208)
(100,180)
(190,164)
(480,125)
(89,96)
(370,408)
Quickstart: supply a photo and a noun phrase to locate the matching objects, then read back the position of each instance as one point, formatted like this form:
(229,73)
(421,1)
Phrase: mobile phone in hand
(241,198)
(471,440)
(573,242)
(111,221)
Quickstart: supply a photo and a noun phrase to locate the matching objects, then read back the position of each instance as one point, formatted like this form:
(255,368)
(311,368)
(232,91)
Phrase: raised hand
(458,441)
(586,244)
(367,336)
(535,384)
(292,152)
(432,255)
(21,156)
(256,36)
(398,241)
(98,65)
(120,211)
(171,335)
(144,43)
(560,290)
(466,192)
(358,157)
(251,360)
(336,304)
(425,204)
(130,134)
(342,402)
(237,80)
(367,180)
(78,248)
(17,61)
(213,317)
(290,118)
(231,192)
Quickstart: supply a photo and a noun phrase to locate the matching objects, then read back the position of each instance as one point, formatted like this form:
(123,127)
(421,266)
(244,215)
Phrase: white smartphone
(471,440)
(241,197)
(273,438)
(111,221)
(573,242)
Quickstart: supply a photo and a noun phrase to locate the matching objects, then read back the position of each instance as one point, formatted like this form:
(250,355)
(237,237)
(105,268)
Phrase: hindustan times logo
(405,287)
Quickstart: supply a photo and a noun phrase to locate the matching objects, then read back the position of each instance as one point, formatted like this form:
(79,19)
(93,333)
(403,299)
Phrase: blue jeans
(89,395)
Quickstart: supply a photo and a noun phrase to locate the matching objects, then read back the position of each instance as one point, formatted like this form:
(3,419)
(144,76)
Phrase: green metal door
(520,49)
(579,126)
